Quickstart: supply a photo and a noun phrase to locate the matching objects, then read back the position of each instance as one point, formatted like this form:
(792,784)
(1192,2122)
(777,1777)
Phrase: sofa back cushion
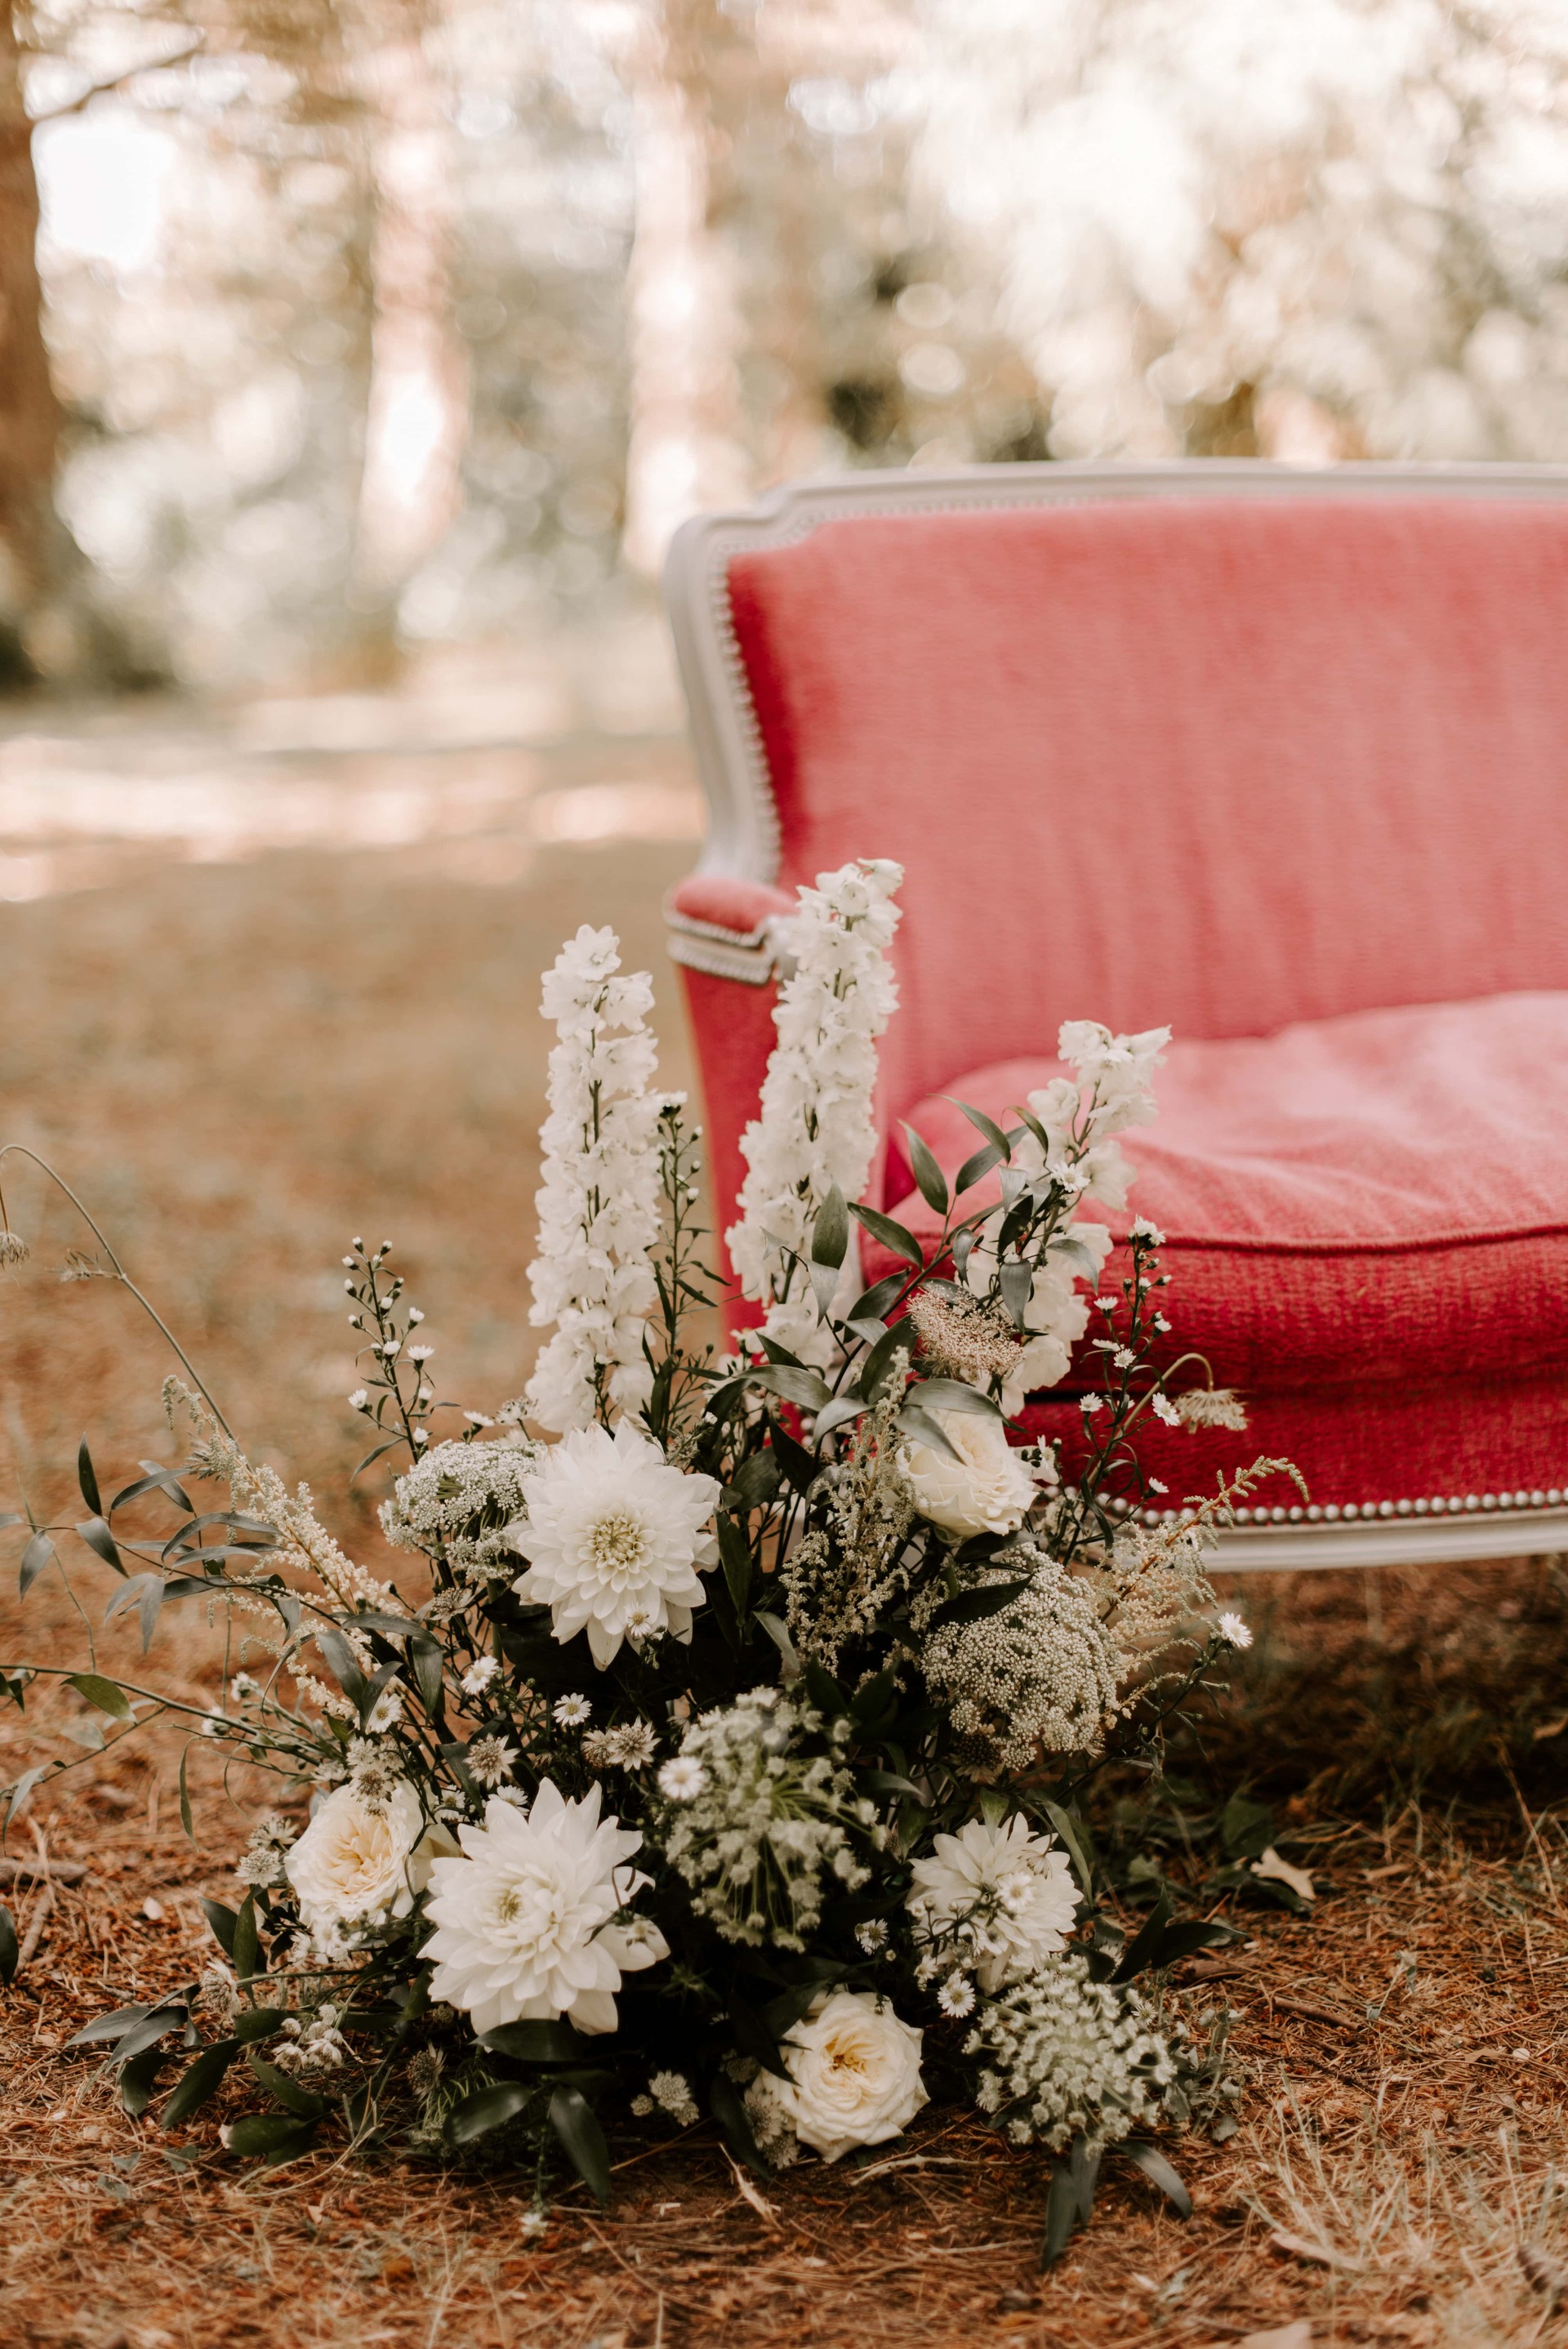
(1227,763)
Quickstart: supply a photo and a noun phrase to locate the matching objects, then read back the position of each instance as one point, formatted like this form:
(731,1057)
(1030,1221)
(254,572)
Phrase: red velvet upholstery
(1236,764)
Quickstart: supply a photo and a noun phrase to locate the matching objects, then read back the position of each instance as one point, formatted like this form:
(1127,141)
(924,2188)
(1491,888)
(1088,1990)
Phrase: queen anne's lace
(598,1205)
(815,1127)
(1067,2055)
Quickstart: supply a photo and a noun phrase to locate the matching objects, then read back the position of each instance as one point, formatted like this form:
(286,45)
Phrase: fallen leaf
(1322,2255)
(1280,1871)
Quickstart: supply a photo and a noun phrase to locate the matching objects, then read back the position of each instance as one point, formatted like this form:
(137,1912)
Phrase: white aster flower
(572,1712)
(357,1399)
(612,1535)
(956,1996)
(488,1759)
(525,1920)
(1001,1898)
(682,1780)
(479,1676)
(1237,1630)
(359,1863)
(987,1489)
(873,1935)
(854,2075)
(1164,1409)
(815,1126)
(600,1201)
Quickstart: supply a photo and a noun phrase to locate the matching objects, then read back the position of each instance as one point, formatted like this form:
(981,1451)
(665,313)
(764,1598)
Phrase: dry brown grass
(242,1066)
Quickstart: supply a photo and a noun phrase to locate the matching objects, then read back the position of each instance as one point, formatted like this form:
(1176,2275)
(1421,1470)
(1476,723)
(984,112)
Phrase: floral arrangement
(719,1755)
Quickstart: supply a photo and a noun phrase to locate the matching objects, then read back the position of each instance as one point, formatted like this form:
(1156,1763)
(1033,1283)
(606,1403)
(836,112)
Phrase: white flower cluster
(991,1900)
(455,1500)
(1083,1154)
(1038,1677)
(765,1832)
(599,1203)
(315,2045)
(1066,2055)
(262,1862)
(669,2092)
(816,1127)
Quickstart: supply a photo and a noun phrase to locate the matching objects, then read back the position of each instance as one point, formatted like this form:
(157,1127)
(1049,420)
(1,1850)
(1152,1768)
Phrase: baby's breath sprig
(388,1399)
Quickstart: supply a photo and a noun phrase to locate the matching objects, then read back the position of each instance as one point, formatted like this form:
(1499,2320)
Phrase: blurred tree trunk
(417,409)
(29,413)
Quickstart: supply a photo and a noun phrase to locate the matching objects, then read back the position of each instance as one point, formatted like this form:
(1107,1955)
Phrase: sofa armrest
(726,927)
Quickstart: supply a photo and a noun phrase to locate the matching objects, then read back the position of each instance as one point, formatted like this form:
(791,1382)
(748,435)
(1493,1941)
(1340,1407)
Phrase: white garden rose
(526,1918)
(854,2075)
(994,1899)
(613,1535)
(986,1490)
(360,1863)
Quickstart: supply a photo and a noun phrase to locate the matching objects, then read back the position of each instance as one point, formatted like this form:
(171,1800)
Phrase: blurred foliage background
(357,329)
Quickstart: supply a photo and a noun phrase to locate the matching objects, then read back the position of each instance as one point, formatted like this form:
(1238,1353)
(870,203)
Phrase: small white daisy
(478,1677)
(1237,1630)
(572,1712)
(956,1996)
(682,1779)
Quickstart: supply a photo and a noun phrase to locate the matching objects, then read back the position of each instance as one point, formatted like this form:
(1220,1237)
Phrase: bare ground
(241,1064)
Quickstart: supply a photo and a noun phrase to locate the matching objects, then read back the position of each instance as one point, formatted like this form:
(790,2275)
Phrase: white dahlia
(360,1862)
(996,1900)
(613,1534)
(524,1920)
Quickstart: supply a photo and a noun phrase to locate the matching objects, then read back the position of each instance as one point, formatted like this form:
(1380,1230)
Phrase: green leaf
(35,1556)
(11,1517)
(874,1303)
(807,1390)
(574,2122)
(10,1950)
(930,1181)
(778,1630)
(425,1656)
(1246,1828)
(893,1237)
(972,1170)
(87,1479)
(159,1480)
(256,2022)
(1074,1845)
(1158,2170)
(488,2108)
(799,1464)
(1185,1941)
(224,1923)
(371,1457)
(955,1394)
(926,1430)
(734,2126)
(109,2026)
(97,1537)
(889,1781)
(273,2134)
(753,2038)
(830,1230)
(537,2043)
(824,1691)
(138,2078)
(153,2026)
(198,2082)
(735,1555)
(23,1787)
(246,1953)
(873,1370)
(754,1483)
(103,1693)
(1143,1948)
(783,2013)
(976,1605)
(1061,2214)
(289,2093)
(868,1704)
(185,1818)
(1016,1283)
(983,1124)
(144,1592)
(838,1414)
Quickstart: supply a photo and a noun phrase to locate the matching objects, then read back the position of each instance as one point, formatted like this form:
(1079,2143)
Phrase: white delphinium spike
(600,1202)
(816,1126)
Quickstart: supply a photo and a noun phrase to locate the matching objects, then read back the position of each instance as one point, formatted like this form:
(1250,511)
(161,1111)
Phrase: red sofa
(1278,758)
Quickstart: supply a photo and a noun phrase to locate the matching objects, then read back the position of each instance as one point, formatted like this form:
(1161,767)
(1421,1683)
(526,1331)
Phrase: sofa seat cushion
(1375,1198)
